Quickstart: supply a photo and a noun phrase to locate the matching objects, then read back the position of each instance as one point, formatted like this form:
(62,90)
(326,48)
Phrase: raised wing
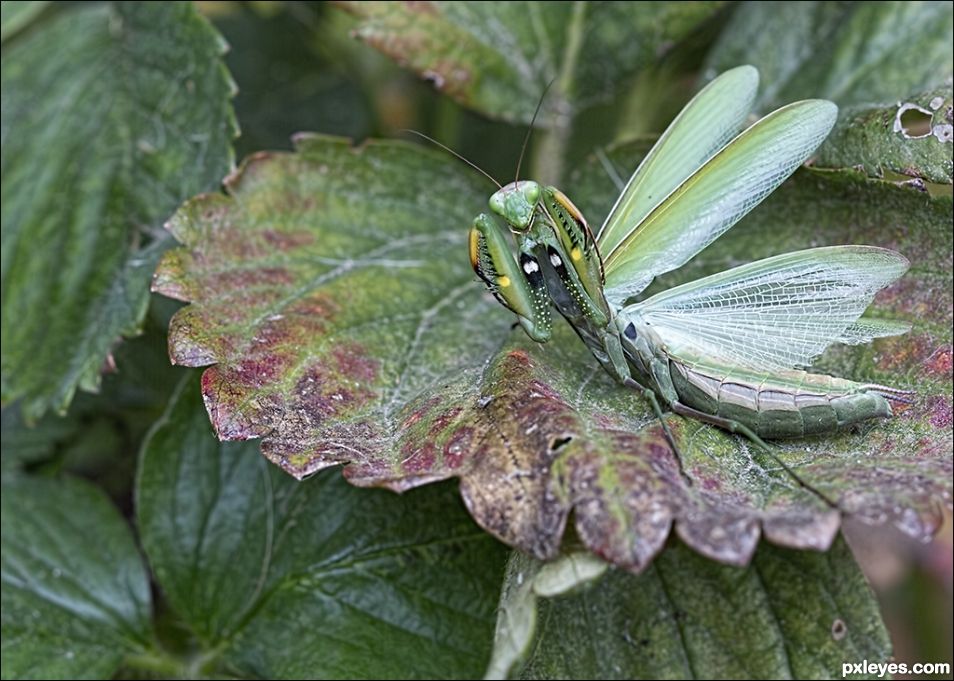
(780,312)
(717,196)
(705,125)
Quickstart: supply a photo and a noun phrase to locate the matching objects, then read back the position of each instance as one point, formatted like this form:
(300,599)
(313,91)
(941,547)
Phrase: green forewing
(705,125)
(717,195)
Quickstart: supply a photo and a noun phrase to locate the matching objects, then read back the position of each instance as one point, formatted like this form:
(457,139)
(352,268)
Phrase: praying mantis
(731,349)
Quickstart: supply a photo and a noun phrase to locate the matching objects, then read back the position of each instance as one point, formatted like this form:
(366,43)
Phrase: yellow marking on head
(576,253)
(503,282)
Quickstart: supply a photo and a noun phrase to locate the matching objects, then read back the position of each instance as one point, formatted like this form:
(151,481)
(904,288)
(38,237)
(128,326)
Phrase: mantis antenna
(451,151)
(533,120)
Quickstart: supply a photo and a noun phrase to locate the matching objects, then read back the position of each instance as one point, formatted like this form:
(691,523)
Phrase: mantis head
(516,202)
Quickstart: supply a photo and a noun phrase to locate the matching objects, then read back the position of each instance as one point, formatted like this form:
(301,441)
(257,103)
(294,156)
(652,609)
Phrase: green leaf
(286,579)
(76,595)
(24,445)
(332,293)
(112,115)
(790,614)
(17,15)
(879,139)
(96,436)
(527,580)
(497,57)
(849,52)
(871,58)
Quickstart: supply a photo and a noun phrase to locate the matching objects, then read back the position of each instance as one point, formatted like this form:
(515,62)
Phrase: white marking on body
(555,260)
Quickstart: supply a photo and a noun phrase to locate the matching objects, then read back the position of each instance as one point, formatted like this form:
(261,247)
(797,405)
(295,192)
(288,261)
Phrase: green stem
(156,661)
(447,122)
(550,154)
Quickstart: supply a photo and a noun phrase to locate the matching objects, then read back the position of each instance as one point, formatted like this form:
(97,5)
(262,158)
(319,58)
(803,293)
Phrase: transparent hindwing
(777,313)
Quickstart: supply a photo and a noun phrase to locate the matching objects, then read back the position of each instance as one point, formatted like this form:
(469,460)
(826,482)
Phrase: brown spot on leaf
(444,419)
(421,7)
(240,281)
(286,241)
(322,393)
(521,357)
(422,411)
(336,385)
(458,447)
(285,333)
(222,395)
(939,363)
(939,407)
(914,350)
(316,304)
(708,483)
(354,363)
(261,369)
(420,460)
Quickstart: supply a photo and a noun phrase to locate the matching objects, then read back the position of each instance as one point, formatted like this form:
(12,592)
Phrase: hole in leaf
(912,121)
(838,629)
(558,443)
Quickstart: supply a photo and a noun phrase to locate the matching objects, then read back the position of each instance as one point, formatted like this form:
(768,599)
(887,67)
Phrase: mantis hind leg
(650,396)
(742,429)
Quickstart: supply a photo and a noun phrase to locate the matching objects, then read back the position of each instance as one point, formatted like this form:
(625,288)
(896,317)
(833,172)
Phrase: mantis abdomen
(780,405)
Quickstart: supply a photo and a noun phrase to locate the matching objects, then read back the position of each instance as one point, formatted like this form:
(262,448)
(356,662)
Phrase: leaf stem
(550,154)
(447,121)
(157,661)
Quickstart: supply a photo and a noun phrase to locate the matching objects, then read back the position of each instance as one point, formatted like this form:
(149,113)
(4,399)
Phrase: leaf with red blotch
(497,57)
(331,292)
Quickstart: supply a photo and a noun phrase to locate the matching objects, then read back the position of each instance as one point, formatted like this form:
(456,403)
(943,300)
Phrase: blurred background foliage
(298,68)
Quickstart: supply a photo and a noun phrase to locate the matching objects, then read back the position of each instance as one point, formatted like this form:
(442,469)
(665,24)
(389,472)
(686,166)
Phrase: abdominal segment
(780,405)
